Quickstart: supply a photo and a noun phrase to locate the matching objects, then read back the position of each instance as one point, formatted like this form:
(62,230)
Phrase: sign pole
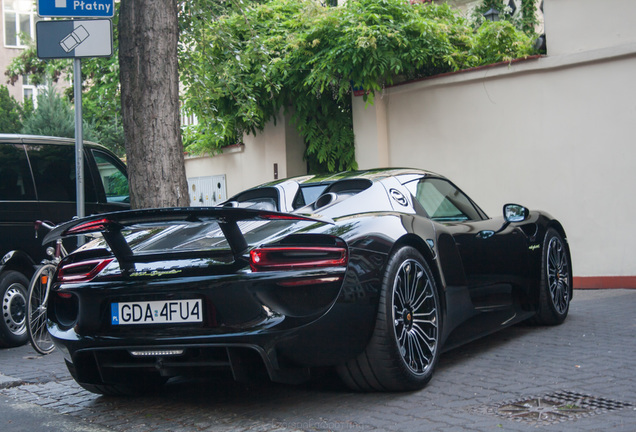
(79,140)
(76,39)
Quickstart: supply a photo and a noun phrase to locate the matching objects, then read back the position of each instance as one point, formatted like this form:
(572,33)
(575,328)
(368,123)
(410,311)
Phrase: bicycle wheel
(36,309)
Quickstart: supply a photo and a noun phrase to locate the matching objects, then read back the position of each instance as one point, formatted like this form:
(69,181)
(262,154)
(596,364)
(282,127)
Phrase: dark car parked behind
(37,181)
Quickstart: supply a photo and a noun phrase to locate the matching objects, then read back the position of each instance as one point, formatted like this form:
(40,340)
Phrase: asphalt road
(578,376)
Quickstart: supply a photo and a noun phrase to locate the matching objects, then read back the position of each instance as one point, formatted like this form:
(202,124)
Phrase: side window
(16,183)
(54,172)
(113,178)
(443,201)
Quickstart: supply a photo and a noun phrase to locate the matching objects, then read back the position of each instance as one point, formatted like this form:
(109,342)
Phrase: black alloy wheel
(415,316)
(555,291)
(404,348)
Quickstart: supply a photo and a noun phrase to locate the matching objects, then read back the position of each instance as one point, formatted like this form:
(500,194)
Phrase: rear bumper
(284,355)
(281,330)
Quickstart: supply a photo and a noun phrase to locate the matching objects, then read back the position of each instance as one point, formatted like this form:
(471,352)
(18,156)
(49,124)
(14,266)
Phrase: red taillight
(82,271)
(297,257)
(88,227)
(281,216)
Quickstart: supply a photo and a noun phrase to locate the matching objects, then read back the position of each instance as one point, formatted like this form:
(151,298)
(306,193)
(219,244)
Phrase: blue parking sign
(76,8)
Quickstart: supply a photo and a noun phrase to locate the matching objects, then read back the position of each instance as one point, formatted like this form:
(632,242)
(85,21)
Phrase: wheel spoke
(402,337)
(414,284)
(398,294)
(415,316)
(558,274)
(40,327)
(37,310)
(423,297)
(418,356)
(428,340)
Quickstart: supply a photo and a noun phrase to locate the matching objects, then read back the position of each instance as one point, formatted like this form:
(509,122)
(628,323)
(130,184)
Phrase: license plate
(157,312)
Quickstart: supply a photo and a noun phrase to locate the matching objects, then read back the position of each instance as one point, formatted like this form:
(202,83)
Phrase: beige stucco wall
(252,162)
(554,133)
(584,25)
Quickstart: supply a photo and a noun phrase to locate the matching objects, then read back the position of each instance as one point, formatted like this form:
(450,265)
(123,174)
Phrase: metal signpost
(76,39)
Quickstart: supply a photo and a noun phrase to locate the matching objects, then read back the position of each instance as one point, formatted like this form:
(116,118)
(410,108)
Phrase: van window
(54,172)
(16,183)
(114,180)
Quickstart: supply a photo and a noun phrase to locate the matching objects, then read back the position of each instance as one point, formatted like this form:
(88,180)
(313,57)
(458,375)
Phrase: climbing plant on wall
(241,69)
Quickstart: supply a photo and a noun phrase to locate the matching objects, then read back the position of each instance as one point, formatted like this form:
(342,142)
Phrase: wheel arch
(18,261)
(556,225)
(429,255)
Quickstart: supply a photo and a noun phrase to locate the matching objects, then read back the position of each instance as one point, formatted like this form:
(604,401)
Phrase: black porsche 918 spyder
(384,271)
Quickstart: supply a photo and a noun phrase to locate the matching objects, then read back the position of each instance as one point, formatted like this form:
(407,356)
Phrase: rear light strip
(297,257)
(83,271)
(89,227)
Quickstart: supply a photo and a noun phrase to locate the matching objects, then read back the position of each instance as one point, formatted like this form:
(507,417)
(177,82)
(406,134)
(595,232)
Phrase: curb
(8,382)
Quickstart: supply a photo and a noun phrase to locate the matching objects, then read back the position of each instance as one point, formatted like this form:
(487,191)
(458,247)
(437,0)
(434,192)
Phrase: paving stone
(593,353)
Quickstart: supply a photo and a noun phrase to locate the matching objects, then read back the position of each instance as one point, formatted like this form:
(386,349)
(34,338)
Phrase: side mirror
(515,213)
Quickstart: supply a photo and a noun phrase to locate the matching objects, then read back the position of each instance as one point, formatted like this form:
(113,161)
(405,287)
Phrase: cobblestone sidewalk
(575,377)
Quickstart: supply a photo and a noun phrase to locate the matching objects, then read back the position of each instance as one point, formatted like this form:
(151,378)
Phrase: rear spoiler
(110,225)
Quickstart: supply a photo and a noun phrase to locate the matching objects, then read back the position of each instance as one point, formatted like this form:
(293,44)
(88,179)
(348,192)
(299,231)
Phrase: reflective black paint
(485,282)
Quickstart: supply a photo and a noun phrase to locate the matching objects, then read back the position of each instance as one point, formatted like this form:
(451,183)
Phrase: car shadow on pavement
(325,381)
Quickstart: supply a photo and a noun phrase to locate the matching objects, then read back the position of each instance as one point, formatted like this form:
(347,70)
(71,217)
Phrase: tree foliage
(54,116)
(524,19)
(11,112)
(245,67)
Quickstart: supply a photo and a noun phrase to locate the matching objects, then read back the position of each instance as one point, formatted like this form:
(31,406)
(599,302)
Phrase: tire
(404,347)
(555,289)
(36,310)
(13,295)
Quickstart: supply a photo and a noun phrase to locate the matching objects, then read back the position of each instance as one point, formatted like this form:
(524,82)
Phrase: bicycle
(38,295)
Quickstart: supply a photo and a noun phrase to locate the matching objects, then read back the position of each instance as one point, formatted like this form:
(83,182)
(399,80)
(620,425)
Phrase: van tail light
(82,271)
(297,257)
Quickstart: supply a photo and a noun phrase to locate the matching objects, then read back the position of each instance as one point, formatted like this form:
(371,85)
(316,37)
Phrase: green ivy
(529,20)
(525,19)
(244,67)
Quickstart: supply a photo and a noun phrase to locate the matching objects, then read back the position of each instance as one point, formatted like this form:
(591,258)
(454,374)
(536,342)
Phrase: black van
(37,181)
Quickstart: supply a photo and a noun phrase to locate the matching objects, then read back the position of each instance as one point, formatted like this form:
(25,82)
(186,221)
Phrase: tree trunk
(148,35)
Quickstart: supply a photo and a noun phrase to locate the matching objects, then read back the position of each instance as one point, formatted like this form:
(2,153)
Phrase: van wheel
(13,294)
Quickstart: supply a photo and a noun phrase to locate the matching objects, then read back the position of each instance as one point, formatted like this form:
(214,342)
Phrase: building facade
(18,28)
